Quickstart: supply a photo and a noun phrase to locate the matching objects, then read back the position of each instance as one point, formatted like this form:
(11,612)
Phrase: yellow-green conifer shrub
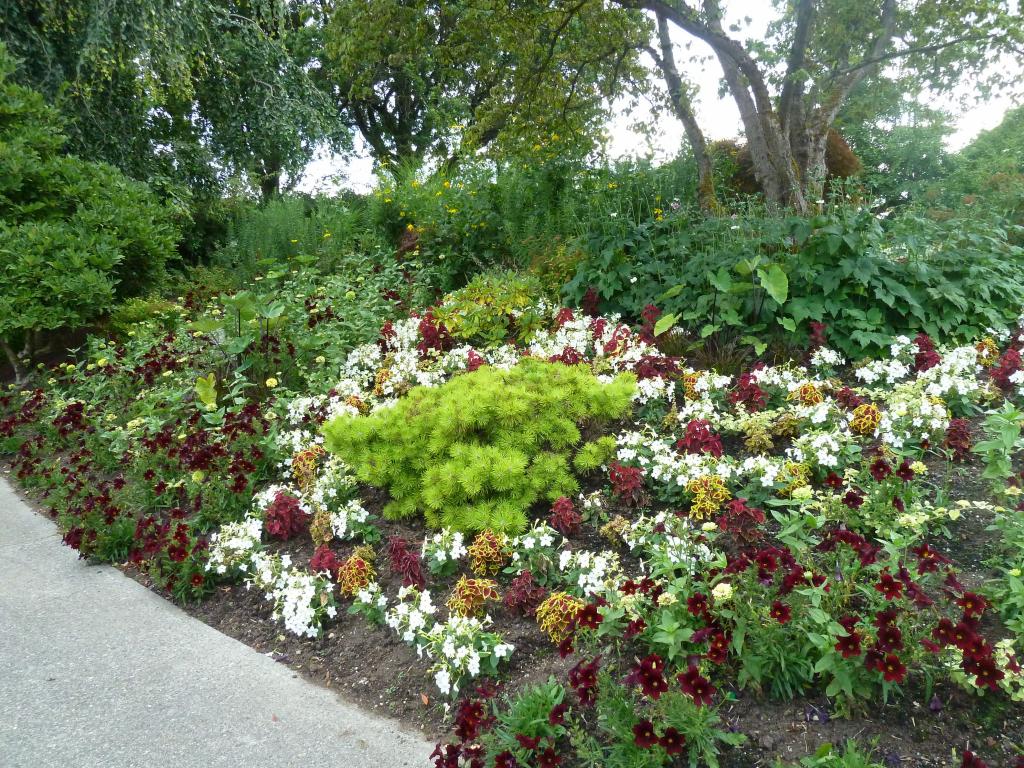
(478,451)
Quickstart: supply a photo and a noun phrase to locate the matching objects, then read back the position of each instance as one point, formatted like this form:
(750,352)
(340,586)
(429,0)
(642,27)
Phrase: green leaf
(665,322)
(206,390)
(788,323)
(775,282)
(721,279)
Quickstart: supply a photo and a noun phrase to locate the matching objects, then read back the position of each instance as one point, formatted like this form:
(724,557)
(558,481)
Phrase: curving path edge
(96,670)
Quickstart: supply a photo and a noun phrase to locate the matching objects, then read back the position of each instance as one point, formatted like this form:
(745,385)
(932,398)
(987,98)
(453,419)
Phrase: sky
(718,118)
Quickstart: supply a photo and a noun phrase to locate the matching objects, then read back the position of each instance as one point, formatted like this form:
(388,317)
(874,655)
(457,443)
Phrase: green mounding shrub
(493,307)
(478,451)
(76,237)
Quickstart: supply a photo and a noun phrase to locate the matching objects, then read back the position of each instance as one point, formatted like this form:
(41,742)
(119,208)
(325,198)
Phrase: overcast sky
(718,118)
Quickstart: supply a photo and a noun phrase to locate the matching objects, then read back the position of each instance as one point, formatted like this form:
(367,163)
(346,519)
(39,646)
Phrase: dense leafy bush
(75,236)
(493,307)
(764,278)
(476,452)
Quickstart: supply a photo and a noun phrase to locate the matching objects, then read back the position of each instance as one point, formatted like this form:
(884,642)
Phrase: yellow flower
(1015,572)
(919,467)
(667,598)
(272,382)
(954,514)
(198,476)
(722,591)
(320,359)
(447,184)
(709,526)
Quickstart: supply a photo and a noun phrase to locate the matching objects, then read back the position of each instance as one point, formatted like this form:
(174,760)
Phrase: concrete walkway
(96,670)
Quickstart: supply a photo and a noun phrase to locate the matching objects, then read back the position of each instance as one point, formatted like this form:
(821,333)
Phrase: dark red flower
(589,617)
(974,605)
(971,760)
(528,742)
(849,646)
(506,760)
(944,632)
(833,481)
(649,674)
(697,604)
(696,686)
(780,612)
(890,638)
(888,586)
(548,759)
(893,670)
(672,741)
(643,734)
(880,469)
(853,499)
(583,679)
(557,714)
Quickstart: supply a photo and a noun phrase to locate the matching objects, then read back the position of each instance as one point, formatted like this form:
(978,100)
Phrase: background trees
(791,86)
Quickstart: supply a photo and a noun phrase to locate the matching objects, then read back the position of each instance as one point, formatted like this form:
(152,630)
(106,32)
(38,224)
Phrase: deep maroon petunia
(893,670)
(506,760)
(557,714)
(890,638)
(880,469)
(528,742)
(853,499)
(696,686)
(974,605)
(780,612)
(888,586)
(548,759)
(672,741)
(971,760)
(643,734)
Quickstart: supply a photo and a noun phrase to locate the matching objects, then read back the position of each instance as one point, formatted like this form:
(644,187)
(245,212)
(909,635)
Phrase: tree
(75,236)
(900,141)
(262,95)
(182,93)
(791,86)
(442,79)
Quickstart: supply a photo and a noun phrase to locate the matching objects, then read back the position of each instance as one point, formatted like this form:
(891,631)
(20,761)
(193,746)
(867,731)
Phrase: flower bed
(787,532)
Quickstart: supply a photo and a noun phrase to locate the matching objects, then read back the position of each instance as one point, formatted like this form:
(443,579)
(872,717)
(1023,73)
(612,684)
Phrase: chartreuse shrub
(478,451)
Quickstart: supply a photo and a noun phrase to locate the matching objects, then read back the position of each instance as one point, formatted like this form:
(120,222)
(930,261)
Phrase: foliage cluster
(75,236)
(765,278)
(477,452)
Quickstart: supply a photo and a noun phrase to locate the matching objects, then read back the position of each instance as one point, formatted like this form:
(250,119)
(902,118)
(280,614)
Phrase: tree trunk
(270,183)
(683,108)
(12,358)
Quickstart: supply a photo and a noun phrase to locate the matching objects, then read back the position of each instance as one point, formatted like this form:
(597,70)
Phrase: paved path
(97,671)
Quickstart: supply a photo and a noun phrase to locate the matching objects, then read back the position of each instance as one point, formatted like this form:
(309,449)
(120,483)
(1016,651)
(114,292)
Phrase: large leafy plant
(75,236)
(478,451)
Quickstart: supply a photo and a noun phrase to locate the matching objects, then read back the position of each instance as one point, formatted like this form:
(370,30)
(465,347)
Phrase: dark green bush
(763,278)
(478,451)
(75,236)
